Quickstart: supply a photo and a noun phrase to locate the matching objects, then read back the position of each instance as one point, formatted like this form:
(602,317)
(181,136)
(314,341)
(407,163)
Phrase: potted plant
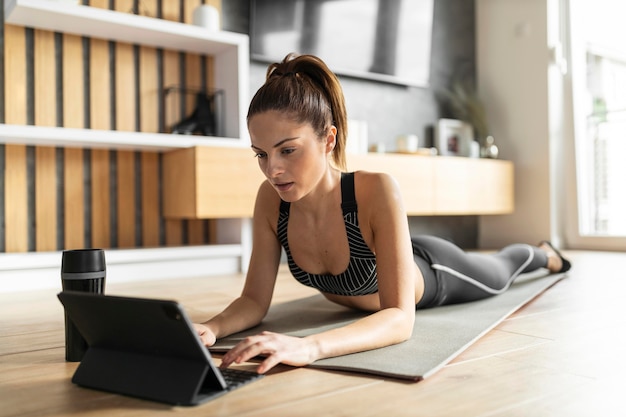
(465,104)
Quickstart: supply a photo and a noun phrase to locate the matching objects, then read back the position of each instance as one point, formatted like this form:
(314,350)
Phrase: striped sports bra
(360,276)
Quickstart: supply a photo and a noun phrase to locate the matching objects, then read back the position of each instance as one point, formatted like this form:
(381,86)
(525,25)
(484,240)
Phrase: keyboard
(237,377)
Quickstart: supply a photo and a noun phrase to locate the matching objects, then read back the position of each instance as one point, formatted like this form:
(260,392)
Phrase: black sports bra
(360,276)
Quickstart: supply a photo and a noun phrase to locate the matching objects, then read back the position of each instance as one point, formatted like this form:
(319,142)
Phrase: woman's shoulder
(376,192)
(375,182)
(267,202)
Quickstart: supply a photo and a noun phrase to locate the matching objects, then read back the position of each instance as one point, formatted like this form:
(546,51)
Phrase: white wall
(513,72)
(42,270)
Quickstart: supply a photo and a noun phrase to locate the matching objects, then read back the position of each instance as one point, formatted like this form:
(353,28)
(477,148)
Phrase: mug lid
(83,260)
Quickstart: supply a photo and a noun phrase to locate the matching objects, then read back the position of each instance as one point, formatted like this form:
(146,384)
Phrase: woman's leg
(462,277)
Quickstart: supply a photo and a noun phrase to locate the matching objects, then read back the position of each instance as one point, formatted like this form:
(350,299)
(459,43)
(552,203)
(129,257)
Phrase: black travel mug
(81,270)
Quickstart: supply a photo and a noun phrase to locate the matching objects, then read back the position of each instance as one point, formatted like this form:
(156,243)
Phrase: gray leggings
(454,276)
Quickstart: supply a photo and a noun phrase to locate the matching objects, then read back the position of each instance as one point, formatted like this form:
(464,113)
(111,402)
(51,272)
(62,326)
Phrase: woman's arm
(384,225)
(249,309)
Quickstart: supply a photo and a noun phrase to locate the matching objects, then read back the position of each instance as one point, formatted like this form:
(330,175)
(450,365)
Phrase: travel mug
(81,270)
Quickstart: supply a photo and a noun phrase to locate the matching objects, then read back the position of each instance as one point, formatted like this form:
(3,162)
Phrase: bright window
(598,57)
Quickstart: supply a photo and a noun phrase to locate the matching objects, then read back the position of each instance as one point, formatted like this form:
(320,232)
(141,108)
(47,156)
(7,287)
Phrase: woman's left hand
(277,348)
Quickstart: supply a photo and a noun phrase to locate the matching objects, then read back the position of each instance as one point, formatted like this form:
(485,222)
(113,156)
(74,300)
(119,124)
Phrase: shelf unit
(230,54)
(228,50)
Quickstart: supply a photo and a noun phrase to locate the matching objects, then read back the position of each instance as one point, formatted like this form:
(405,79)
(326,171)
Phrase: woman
(345,234)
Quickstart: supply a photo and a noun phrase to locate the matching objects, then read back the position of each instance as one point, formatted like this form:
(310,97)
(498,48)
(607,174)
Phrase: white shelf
(229,50)
(123,27)
(108,139)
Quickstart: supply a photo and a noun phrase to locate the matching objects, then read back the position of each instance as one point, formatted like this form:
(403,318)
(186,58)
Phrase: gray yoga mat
(439,335)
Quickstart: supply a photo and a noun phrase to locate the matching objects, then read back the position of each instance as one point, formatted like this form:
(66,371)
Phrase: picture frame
(453,137)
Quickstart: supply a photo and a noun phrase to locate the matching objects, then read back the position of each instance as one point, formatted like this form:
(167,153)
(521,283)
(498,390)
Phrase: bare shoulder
(267,205)
(378,196)
(374,185)
(266,193)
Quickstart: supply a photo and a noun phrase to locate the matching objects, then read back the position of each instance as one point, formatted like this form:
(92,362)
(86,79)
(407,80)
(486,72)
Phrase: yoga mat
(440,333)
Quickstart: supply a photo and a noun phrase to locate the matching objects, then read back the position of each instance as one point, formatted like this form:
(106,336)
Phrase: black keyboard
(237,377)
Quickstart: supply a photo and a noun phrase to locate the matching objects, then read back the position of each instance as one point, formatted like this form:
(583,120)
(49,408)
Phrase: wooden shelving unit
(230,72)
(228,50)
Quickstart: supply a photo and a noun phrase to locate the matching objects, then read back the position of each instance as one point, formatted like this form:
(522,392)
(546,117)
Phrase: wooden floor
(561,355)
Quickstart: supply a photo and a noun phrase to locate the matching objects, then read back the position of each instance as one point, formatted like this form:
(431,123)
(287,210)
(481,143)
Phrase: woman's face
(291,156)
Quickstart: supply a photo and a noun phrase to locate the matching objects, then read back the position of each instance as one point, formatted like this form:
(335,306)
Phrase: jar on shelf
(489,149)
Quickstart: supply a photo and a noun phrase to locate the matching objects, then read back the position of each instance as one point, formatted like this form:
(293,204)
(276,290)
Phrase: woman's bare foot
(556,262)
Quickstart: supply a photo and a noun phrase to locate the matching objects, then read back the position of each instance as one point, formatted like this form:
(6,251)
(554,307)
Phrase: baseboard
(42,270)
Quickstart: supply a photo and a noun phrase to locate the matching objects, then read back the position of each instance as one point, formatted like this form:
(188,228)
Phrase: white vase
(489,150)
(206,16)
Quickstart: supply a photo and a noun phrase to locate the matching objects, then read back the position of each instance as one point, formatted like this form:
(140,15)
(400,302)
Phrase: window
(605,145)
(598,75)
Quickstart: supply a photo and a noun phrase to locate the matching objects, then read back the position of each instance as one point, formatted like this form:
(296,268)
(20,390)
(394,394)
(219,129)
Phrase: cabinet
(228,50)
(429,185)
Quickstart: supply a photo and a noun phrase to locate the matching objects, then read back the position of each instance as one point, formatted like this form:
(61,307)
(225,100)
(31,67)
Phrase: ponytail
(306,89)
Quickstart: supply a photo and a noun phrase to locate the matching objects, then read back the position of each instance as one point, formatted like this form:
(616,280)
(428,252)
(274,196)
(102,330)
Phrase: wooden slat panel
(45,199)
(210,83)
(126,6)
(193,77)
(195,231)
(124,87)
(215,3)
(45,79)
(193,82)
(15,74)
(150,220)
(148,90)
(171,77)
(125,110)
(45,157)
(16,199)
(189,6)
(170,10)
(100,118)
(73,82)
(126,199)
(101,4)
(73,168)
(149,122)
(100,199)
(173,232)
(74,198)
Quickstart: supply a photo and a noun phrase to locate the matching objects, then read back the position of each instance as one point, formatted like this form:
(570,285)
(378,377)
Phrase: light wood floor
(561,355)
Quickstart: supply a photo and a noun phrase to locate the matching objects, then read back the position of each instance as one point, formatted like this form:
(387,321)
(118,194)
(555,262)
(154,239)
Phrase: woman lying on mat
(345,234)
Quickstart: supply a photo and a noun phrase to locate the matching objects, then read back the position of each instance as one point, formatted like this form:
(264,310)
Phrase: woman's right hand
(206,335)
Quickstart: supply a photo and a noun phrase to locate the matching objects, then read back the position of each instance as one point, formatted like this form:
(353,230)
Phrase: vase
(489,149)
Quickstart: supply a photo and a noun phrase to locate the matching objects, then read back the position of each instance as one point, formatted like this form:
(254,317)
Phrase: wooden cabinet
(214,182)
(210,183)
(443,185)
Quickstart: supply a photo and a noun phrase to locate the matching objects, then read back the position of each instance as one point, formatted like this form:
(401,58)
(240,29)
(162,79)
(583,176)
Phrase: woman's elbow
(405,327)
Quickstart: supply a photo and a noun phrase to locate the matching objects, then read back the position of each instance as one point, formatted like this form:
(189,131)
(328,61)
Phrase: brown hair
(308,91)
